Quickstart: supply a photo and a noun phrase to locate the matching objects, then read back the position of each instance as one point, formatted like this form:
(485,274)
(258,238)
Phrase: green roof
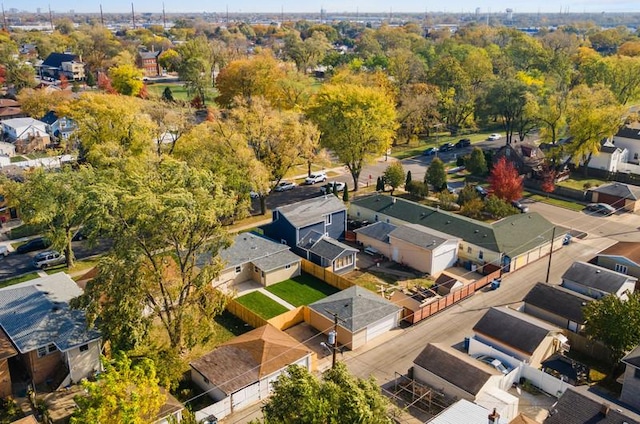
(513,235)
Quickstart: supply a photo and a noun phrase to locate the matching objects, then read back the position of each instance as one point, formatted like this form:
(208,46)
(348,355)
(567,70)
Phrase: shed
(597,282)
(618,195)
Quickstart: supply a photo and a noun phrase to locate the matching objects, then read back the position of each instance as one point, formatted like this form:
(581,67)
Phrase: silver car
(48,258)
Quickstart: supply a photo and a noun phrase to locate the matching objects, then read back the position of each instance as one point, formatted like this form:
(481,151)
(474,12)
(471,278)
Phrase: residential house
(631,384)
(256,258)
(421,248)
(148,61)
(52,341)
(578,405)
(628,138)
(610,157)
(619,195)
(463,411)
(60,128)
(514,241)
(10,109)
(311,227)
(58,64)
(597,282)
(362,316)
(519,335)
(171,411)
(557,305)
(241,371)
(7,350)
(27,134)
(622,257)
(527,158)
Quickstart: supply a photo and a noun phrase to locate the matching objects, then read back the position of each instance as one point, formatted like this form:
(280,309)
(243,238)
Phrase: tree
(447,200)
(379,184)
(37,102)
(308,53)
(436,175)
(472,208)
(408,180)
(165,221)
(345,193)
(476,164)
(417,110)
(197,66)
(357,123)
(167,95)
(467,194)
(19,75)
(548,180)
(506,99)
(498,208)
(394,175)
(124,393)
(615,322)
(126,79)
(504,180)
(418,189)
(339,398)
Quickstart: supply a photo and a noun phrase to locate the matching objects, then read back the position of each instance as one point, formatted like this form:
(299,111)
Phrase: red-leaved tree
(3,74)
(104,83)
(64,82)
(548,180)
(505,182)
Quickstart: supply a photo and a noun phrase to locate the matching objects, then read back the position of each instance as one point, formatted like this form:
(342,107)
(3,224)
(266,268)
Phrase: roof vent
(448,222)
(476,231)
(394,200)
(604,409)
(598,271)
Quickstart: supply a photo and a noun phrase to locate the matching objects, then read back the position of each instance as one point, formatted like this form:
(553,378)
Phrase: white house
(610,157)
(23,128)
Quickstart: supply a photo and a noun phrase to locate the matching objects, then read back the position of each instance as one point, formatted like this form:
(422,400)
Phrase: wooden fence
(593,349)
(326,275)
(245,314)
(288,319)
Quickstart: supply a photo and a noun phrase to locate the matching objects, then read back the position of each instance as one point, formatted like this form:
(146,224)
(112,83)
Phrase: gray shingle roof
(378,230)
(329,248)
(579,406)
(457,368)
(34,315)
(633,357)
(150,55)
(596,277)
(625,191)
(277,260)
(513,235)
(307,212)
(417,237)
(628,132)
(356,306)
(514,329)
(558,300)
(250,247)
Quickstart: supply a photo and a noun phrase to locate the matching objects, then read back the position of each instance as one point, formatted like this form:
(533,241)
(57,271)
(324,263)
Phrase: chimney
(494,417)
(604,409)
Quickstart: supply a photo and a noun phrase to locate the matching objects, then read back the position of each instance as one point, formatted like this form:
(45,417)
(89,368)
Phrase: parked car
(430,151)
(316,177)
(465,142)
(496,363)
(494,136)
(284,186)
(4,251)
(328,188)
(48,258)
(601,208)
(37,243)
(446,147)
(522,208)
(482,191)
(254,194)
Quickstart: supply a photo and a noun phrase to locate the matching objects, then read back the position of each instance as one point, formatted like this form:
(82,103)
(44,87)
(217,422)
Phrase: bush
(587,185)
(499,208)
(417,189)
(472,208)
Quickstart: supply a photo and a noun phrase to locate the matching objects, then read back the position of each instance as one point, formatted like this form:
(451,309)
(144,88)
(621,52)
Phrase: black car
(465,142)
(446,147)
(37,243)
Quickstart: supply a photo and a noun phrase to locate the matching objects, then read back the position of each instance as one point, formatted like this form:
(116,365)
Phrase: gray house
(622,257)
(597,282)
(631,384)
(578,405)
(557,305)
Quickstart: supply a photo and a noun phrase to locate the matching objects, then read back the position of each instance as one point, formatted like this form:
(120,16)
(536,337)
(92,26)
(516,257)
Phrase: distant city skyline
(330,6)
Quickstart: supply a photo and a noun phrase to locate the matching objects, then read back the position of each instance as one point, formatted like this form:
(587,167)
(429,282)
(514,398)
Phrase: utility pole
(4,19)
(133,16)
(553,236)
(333,337)
(101,16)
(164,17)
(50,18)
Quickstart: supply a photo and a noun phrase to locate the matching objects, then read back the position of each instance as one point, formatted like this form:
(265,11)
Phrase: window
(327,219)
(469,250)
(84,348)
(375,218)
(288,266)
(255,269)
(45,350)
(343,262)
(481,255)
(238,269)
(621,268)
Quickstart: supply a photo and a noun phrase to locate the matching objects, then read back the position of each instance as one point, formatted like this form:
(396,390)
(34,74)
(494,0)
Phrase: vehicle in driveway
(430,151)
(482,191)
(48,258)
(518,205)
(496,363)
(446,147)
(37,243)
(328,188)
(494,136)
(601,208)
(284,186)
(465,142)
(316,177)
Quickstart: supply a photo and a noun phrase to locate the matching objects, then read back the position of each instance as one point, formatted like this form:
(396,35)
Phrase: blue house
(313,228)
(60,128)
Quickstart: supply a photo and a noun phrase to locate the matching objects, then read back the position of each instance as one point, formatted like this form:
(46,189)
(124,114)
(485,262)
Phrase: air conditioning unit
(563,342)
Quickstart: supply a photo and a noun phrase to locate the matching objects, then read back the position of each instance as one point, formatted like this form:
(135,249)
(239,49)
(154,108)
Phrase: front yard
(261,305)
(302,290)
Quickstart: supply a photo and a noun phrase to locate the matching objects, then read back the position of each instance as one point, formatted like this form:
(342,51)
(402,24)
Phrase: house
(304,224)
(514,241)
(463,411)
(421,248)
(252,257)
(60,128)
(578,405)
(52,342)
(240,372)
(362,316)
(519,335)
(171,411)
(148,61)
(619,195)
(10,109)
(557,305)
(527,158)
(609,158)
(27,134)
(622,257)
(597,282)
(628,137)
(59,64)
(631,383)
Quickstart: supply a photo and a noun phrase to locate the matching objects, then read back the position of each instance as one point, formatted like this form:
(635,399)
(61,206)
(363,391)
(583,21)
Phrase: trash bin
(466,344)
(495,284)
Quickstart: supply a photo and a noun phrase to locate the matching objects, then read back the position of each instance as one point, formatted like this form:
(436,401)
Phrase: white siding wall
(84,364)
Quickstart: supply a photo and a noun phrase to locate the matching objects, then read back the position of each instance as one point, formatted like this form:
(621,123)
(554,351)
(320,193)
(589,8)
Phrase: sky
(331,6)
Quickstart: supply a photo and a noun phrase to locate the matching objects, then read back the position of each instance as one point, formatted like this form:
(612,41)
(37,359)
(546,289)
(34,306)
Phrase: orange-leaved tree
(505,181)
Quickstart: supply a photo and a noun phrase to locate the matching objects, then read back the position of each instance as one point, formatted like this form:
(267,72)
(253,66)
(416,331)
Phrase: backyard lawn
(302,290)
(261,305)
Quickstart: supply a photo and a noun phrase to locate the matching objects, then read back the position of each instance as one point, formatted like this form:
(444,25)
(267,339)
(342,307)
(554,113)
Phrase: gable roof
(462,411)
(579,406)
(23,122)
(420,236)
(523,419)
(150,55)
(626,249)
(36,313)
(356,306)
(55,60)
(246,359)
(596,277)
(50,118)
(514,329)
(446,280)
(625,191)
(378,230)
(633,357)
(456,367)
(311,211)
(512,235)
(628,132)
(328,248)
(9,103)
(250,247)
(558,300)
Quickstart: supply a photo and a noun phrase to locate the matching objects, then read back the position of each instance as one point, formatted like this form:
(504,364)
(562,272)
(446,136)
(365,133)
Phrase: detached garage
(618,195)
(363,316)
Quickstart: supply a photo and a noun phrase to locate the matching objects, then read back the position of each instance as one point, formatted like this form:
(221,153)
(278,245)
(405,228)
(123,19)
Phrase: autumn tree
(476,164)
(394,175)
(340,398)
(37,102)
(171,123)
(507,100)
(436,175)
(196,66)
(498,208)
(467,194)
(126,79)
(505,182)
(306,53)
(357,123)
(417,110)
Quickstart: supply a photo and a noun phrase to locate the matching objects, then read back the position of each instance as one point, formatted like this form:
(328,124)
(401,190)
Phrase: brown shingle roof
(247,358)
(7,350)
(523,419)
(26,420)
(628,249)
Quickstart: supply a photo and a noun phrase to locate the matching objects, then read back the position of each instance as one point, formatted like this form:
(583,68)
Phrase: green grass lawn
(567,204)
(19,279)
(261,305)
(302,290)
(578,182)
(24,231)
(179,91)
